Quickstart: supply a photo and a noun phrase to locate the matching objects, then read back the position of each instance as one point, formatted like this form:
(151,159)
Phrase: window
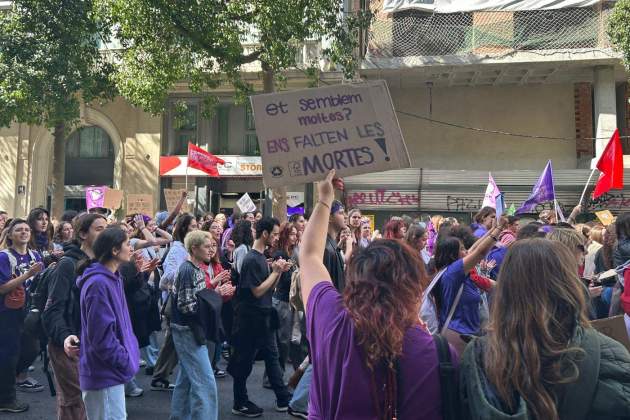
(417,33)
(89,143)
(251,139)
(185,127)
(89,157)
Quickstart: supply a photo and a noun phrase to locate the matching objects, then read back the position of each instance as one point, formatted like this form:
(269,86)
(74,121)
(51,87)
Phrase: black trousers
(10,337)
(255,335)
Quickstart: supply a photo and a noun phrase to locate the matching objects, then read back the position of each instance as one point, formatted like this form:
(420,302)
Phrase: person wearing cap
(333,259)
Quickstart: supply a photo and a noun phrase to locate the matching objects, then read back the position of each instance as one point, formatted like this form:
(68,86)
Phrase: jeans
(10,338)
(106,404)
(150,353)
(299,402)
(167,358)
(195,396)
(248,342)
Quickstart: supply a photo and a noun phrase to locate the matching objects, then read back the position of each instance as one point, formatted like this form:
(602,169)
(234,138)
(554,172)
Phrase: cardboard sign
(605,216)
(140,203)
(246,204)
(614,328)
(94,197)
(172,197)
(113,199)
(305,133)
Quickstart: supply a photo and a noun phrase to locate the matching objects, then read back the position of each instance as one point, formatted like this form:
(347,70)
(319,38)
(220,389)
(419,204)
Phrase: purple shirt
(23,264)
(341,380)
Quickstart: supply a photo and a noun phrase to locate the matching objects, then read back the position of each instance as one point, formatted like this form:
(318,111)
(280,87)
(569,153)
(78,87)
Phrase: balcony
(413,38)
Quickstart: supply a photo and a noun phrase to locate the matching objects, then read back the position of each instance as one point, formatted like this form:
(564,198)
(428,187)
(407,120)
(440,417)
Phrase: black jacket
(62,315)
(142,302)
(622,252)
(333,261)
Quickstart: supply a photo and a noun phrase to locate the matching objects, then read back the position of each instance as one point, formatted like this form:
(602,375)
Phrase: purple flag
(542,192)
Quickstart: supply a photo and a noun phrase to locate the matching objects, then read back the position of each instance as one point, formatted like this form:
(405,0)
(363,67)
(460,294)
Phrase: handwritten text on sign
(304,134)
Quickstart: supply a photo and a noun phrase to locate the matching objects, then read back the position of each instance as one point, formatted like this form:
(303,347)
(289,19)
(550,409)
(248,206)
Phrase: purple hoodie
(109,349)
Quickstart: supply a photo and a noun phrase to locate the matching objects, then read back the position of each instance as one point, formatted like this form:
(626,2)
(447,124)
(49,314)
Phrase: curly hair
(383,291)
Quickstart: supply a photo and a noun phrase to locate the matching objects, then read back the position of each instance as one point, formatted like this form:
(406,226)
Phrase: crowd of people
(428,319)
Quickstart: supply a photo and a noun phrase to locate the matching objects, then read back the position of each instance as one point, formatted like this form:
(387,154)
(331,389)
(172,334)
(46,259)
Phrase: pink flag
(95,197)
(492,192)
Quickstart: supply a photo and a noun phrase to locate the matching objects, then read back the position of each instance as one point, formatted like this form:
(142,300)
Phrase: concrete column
(605,104)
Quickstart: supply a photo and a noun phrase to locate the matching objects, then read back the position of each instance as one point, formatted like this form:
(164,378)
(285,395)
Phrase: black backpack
(36,303)
(449,382)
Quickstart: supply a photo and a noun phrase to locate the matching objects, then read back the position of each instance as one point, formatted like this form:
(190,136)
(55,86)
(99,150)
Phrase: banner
(351,128)
(172,197)
(140,204)
(458,6)
(95,197)
(246,204)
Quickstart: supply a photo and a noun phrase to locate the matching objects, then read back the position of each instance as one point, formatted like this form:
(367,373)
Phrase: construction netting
(415,32)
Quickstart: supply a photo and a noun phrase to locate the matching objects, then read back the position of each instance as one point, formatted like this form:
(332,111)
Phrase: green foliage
(49,60)
(619,29)
(205,43)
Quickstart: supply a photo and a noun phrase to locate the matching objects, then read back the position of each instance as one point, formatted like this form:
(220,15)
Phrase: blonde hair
(569,237)
(597,234)
(196,238)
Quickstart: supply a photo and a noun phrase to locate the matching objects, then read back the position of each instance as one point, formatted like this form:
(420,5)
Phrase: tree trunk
(59,170)
(279,198)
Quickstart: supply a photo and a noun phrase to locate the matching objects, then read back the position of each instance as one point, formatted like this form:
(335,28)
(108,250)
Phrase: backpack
(36,299)
(449,381)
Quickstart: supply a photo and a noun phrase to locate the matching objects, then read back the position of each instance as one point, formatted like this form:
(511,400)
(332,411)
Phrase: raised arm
(312,269)
(175,211)
(480,249)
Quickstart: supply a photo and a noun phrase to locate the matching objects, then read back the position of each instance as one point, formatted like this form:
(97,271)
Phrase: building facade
(493,86)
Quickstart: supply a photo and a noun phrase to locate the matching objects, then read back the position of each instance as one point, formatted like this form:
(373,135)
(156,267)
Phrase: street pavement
(155,405)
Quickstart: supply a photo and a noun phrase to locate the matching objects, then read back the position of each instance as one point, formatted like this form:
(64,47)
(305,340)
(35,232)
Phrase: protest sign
(172,197)
(113,199)
(351,128)
(246,204)
(614,328)
(94,197)
(140,203)
(605,216)
(370,217)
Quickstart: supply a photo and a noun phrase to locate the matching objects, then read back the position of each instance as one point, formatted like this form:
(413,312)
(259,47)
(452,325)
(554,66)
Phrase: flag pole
(586,186)
(186,177)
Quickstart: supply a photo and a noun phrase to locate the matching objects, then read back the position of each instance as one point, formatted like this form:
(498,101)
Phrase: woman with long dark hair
(458,286)
(369,352)
(42,235)
(109,356)
(540,358)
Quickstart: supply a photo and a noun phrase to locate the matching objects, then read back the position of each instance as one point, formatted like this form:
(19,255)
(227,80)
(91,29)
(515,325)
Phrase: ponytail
(84,264)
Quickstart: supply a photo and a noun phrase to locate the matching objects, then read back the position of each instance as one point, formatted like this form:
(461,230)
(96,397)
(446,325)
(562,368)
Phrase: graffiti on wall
(382,197)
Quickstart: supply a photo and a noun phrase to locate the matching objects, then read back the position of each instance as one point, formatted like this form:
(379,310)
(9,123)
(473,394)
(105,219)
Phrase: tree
(201,42)
(619,29)
(49,62)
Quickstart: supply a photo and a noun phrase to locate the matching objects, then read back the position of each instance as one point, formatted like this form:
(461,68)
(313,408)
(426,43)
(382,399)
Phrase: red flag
(202,160)
(611,166)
